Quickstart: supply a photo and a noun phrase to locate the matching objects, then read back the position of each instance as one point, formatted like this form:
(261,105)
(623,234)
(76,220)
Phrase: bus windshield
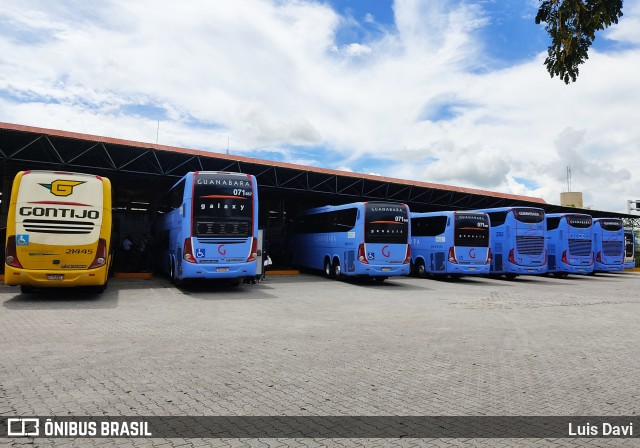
(471,230)
(579,221)
(611,225)
(222,205)
(528,216)
(386,223)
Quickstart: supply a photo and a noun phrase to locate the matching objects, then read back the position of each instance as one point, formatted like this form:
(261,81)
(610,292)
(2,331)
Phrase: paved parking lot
(303,345)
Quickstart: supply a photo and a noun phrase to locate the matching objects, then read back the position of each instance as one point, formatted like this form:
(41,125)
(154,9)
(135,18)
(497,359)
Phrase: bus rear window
(528,216)
(579,221)
(222,205)
(612,225)
(386,223)
(471,229)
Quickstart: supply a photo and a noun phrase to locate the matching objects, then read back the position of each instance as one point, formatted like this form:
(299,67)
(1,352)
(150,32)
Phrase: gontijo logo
(62,187)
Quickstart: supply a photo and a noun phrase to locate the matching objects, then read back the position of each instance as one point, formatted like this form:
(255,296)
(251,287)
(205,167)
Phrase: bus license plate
(222,269)
(55,276)
(386,269)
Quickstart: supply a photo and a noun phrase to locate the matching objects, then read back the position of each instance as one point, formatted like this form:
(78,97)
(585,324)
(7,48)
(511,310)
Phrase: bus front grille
(530,245)
(612,248)
(580,248)
(58,227)
(221,228)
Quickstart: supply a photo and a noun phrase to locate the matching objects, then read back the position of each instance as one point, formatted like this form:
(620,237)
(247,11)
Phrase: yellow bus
(58,230)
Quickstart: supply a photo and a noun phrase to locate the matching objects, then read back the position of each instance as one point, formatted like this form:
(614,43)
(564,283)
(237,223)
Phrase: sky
(450,92)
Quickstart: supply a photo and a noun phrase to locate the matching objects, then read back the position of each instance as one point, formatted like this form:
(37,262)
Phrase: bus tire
(172,273)
(337,271)
(419,269)
(328,271)
(100,288)
(26,289)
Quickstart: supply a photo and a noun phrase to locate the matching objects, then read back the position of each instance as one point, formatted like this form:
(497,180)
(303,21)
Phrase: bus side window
(497,218)
(553,223)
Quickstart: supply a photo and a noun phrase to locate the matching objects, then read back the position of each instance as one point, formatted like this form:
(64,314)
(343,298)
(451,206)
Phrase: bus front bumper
(55,278)
(524,270)
(572,268)
(214,270)
(378,270)
(609,267)
(466,269)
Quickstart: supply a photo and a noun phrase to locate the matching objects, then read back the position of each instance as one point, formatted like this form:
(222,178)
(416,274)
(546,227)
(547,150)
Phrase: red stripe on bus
(60,203)
(386,222)
(220,196)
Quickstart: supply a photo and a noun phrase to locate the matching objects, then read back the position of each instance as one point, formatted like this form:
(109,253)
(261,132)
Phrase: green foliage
(572,25)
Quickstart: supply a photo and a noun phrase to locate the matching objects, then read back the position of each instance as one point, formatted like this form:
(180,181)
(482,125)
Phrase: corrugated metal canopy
(153,167)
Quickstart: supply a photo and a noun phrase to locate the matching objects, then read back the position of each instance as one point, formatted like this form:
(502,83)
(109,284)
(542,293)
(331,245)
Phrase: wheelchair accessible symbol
(22,240)
(200,253)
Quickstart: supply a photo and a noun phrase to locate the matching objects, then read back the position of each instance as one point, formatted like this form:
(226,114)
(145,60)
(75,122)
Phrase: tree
(572,25)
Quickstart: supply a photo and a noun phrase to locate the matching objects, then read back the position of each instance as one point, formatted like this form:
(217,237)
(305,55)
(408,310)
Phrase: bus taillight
(10,254)
(254,250)
(564,257)
(187,253)
(407,256)
(599,257)
(101,254)
(512,257)
(488,260)
(452,255)
(362,256)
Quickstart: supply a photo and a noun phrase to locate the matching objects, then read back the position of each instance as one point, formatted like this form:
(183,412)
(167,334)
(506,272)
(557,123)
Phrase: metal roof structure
(152,168)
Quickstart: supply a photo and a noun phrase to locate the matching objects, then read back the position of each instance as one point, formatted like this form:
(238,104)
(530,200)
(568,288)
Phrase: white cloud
(271,75)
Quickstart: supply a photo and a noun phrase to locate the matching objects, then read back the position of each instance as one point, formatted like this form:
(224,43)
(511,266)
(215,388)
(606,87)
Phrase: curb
(283,272)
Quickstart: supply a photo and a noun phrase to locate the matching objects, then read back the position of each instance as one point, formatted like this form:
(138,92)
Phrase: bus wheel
(328,272)
(100,288)
(419,269)
(172,274)
(26,289)
(510,276)
(337,272)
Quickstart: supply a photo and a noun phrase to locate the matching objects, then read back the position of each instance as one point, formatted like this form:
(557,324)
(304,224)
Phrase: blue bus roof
(444,213)
(505,209)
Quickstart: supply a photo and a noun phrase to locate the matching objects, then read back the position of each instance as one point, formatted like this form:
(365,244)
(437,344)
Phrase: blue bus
(518,241)
(450,243)
(209,227)
(569,244)
(608,244)
(629,249)
(368,239)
